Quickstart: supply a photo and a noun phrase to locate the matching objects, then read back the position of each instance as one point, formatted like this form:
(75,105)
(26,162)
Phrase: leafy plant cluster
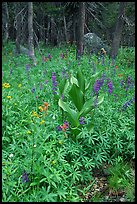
(47,153)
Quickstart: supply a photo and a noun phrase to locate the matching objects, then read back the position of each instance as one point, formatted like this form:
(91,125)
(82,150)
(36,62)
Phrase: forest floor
(102,192)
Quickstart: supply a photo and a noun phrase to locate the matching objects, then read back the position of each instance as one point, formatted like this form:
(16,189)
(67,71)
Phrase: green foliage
(83,105)
(58,165)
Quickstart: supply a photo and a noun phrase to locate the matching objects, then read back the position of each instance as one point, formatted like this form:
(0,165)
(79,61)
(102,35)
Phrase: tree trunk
(53,36)
(30,30)
(65,29)
(7,20)
(80,29)
(18,27)
(118,30)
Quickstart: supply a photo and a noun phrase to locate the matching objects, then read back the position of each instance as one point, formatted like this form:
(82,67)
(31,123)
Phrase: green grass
(55,164)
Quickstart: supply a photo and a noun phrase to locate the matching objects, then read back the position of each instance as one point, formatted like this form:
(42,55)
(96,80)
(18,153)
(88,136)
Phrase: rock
(94,44)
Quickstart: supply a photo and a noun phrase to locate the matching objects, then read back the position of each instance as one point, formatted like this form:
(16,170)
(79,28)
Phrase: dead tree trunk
(80,29)
(18,27)
(118,30)
(65,29)
(30,30)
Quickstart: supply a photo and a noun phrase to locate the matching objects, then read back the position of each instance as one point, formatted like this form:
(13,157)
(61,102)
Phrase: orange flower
(45,107)
(116,67)
(120,75)
(64,127)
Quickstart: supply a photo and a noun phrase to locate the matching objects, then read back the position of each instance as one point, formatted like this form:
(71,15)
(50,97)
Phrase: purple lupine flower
(27,67)
(66,123)
(59,128)
(121,82)
(62,55)
(81,121)
(49,56)
(54,83)
(97,86)
(33,90)
(25,177)
(110,87)
(115,97)
(63,73)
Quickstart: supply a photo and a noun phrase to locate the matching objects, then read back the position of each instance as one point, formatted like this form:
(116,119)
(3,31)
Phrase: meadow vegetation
(63,118)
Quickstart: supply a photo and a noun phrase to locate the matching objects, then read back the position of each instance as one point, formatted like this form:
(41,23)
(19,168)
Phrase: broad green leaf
(73,80)
(87,107)
(81,80)
(73,115)
(77,96)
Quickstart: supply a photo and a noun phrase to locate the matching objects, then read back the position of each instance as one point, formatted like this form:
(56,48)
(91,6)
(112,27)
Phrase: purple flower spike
(81,121)
(25,177)
(110,88)
(54,83)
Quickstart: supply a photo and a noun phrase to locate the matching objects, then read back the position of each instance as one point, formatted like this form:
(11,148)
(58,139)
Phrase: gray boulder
(93,43)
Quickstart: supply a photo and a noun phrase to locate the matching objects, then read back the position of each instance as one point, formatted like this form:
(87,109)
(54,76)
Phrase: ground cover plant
(63,118)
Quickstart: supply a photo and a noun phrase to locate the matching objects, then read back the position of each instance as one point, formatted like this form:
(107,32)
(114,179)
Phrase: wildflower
(27,67)
(97,86)
(40,108)
(81,121)
(121,82)
(45,59)
(64,126)
(6,85)
(59,128)
(53,162)
(35,114)
(110,87)
(60,142)
(35,146)
(62,55)
(9,97)
(33,90)
(116,67)
(28,132)
(25,177)
(54,83)
(11,155)
(120,75)
(19,85)
(49,56)
(42,122)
